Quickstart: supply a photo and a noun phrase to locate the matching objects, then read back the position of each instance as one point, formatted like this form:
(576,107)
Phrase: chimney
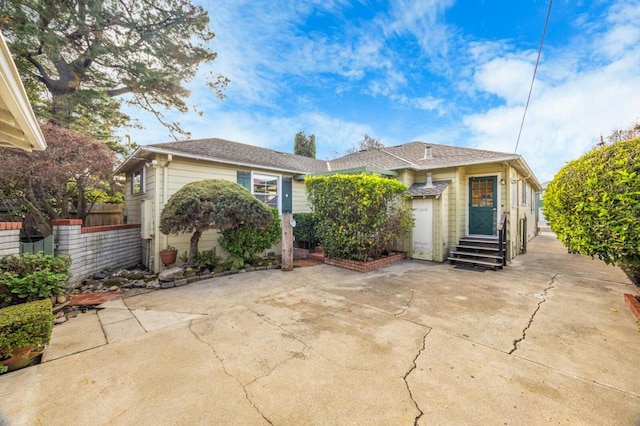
(429,183)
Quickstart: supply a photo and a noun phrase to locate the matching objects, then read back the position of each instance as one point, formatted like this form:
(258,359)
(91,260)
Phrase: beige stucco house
(18,125)
(456,192)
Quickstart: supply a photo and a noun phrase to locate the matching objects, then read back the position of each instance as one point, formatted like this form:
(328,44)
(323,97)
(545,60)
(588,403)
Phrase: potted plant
(168,255)
(24,330)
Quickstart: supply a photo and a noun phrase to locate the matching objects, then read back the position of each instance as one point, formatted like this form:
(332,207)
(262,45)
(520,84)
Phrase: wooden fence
(105,214)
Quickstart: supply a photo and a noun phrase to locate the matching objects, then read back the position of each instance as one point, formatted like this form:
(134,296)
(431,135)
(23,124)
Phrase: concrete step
(494,265)
(474,254)
(471,247)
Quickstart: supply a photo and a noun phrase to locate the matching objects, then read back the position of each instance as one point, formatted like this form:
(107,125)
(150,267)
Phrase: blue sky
(440,71)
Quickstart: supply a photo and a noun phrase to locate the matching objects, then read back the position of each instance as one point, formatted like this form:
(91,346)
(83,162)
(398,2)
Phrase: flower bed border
(368,266)
(633,304)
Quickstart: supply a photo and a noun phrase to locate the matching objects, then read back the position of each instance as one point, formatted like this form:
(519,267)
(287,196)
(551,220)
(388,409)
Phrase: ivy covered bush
(29,276)
(593,203)
(211,204)
(244,242)
(359,216)
(305,232)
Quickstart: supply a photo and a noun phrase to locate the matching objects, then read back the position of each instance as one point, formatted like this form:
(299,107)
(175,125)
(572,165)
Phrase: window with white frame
(514,191)
(266,189)
(523,192)
(137,182)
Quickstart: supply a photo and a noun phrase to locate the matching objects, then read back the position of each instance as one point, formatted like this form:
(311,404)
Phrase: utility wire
(533,79)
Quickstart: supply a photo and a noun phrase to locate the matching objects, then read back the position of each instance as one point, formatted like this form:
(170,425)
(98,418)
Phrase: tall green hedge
(593,203)
(305,231)
(359,216)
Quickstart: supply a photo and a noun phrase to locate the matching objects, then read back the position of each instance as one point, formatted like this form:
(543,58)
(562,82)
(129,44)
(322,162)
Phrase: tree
(211,204)
(631,132)
(593,203)
(367,142)
(358,216)
(73,173)
(85,55)
(303,145)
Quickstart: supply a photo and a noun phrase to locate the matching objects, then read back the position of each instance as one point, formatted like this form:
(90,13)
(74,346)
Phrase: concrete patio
(546,340)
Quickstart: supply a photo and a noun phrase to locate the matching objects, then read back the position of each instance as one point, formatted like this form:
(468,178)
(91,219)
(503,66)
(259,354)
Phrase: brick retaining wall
(365,266)
(95,248)
(9,238)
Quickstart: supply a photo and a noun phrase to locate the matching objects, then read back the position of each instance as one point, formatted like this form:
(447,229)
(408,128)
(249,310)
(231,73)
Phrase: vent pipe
(428,155)
(429,183)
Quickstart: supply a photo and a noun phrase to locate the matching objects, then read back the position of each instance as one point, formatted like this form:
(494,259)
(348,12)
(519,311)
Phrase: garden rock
(171,274)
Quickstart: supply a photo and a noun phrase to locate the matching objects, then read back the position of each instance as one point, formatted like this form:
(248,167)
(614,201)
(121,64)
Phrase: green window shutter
(287,191)
(244,179)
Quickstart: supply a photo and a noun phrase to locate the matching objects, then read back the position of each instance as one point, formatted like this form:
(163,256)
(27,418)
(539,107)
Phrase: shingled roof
(415,155)
(412,155)
(422,190)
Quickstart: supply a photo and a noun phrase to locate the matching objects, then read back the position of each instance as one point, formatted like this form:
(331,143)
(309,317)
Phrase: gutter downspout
(165,191)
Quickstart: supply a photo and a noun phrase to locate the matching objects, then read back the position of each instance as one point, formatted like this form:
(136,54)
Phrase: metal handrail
(502,237)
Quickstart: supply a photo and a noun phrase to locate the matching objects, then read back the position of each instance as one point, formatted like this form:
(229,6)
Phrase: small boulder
(61,299)
(171,274)
(99,276)
(114,288)
(60,320)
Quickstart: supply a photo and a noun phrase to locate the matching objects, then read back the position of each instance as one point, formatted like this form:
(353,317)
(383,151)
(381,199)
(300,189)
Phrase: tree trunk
(193,247)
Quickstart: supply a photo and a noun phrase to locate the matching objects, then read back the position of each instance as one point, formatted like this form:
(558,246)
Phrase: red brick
(633,304)
(66,222)
(105,228)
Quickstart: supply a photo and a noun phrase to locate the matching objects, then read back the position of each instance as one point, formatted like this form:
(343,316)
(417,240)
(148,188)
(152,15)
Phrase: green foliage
(245,241)
(27,324)
(211,204)
(206,259)
(303,145)
(30,276)
(79,58)
(305,230)
(593,203)
(359,216)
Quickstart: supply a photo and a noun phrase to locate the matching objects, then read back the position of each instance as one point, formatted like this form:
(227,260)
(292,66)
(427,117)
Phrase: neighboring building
(456,192)
(18,125)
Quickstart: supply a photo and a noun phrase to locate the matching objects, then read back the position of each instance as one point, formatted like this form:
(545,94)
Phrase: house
(456,192)
(18,125)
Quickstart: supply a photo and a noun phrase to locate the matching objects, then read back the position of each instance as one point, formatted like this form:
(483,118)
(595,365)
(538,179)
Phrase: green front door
(483,205)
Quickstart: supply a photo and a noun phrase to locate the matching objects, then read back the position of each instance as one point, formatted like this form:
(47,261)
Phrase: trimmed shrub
(211,204)
(305,231)
(593,203)
(359,216)
(29,276)
(242,243)
(28,324)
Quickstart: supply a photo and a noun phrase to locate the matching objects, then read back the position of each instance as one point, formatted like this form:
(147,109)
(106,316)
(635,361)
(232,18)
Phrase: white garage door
(423,230)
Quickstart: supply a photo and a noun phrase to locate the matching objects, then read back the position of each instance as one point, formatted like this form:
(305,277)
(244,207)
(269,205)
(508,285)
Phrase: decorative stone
(139,284)
(167,284)
(171,274)
(113,288)
(180,283)
(99,276)
(60,320)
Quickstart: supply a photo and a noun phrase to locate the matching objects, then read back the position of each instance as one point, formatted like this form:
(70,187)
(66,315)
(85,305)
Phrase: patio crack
(411,370)
(530,323)
(406,308)
(224,368)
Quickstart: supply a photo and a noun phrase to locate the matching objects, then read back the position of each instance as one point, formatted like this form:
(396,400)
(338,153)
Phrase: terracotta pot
(20,358)
(167,257)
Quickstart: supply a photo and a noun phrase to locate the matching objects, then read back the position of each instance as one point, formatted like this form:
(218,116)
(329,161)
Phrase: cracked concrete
(543,297)
(413,367)
(413,344)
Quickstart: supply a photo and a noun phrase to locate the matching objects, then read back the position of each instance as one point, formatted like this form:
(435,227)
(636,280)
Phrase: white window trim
(142,181)
(266,175)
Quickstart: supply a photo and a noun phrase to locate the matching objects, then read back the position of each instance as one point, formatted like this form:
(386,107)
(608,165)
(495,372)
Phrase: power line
(533,79)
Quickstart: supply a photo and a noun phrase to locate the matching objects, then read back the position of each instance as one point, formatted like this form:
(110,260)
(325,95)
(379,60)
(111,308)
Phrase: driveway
(546,340)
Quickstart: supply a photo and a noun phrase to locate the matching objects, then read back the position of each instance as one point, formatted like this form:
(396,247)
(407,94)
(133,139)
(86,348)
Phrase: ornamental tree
(72,174)
(593,203)
(78,58)
(212,204)
(359,216)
